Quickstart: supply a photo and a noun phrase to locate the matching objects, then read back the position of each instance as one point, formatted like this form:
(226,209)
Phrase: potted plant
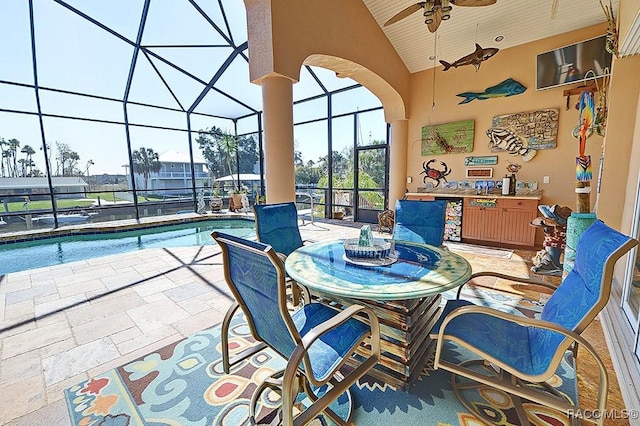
(215,202)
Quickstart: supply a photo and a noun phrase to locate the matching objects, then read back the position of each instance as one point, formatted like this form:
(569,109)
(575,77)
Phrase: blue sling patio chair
(420,221)
(524,353)
(316,339)
(276,225)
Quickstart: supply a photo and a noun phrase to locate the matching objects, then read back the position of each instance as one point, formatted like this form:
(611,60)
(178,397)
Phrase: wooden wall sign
(448,138)
(538,128)
(486,172)
(488,160)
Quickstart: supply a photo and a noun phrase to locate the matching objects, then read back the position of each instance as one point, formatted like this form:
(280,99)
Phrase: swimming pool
(25,255)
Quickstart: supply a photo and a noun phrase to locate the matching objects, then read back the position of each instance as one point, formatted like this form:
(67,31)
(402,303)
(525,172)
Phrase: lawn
(62,203)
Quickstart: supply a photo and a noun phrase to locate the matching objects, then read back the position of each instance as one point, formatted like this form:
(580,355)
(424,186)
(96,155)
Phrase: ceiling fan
(436,11)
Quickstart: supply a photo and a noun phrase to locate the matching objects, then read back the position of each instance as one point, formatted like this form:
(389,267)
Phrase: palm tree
(145,162)
(229,144)
(28,152)
(12,160)
(2,144)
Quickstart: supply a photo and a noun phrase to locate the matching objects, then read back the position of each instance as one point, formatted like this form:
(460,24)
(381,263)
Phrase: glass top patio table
(421,270)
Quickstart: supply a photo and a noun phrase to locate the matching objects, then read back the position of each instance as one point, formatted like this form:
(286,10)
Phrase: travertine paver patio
(94,315)
(63,324)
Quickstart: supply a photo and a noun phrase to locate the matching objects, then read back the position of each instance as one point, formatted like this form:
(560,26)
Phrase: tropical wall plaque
(448,138)
(488,160)
(538,128)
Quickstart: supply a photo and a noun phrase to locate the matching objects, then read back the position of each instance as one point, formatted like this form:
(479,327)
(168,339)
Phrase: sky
(73,54)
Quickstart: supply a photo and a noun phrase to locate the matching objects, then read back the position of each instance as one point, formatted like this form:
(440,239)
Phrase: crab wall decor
(435,174)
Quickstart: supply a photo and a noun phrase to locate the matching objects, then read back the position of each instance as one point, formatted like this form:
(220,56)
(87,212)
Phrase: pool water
(52,251)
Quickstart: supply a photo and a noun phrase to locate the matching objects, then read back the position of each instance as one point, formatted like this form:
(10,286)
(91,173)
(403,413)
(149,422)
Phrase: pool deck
(63,324)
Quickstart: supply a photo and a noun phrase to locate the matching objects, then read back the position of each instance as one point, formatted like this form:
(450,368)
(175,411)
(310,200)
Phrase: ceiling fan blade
(405,12)
(437,19)
(473,3)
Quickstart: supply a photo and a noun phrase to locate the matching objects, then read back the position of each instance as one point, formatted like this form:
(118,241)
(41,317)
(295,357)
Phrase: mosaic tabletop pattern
(419,271)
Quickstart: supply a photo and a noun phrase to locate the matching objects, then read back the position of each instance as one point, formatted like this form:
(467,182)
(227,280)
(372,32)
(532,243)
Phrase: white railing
(179,175)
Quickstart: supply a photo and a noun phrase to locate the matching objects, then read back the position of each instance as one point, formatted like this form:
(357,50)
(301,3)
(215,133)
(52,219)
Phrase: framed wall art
(448,138)
(477,172)
(538,128)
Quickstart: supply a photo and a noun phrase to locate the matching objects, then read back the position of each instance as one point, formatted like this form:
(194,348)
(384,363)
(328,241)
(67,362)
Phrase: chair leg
(224,333)
(461,383)
(227,362)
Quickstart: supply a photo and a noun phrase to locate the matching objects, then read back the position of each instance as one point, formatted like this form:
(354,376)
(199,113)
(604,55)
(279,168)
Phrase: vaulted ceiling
(517,21)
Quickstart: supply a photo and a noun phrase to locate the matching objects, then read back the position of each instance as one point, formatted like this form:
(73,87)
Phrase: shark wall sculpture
(475,58)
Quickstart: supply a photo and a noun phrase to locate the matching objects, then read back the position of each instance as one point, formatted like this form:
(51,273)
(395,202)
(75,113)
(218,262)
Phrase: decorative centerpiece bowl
(379,250)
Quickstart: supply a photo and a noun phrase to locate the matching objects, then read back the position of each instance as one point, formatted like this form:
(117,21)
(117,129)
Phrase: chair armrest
(525,321)
(529,281)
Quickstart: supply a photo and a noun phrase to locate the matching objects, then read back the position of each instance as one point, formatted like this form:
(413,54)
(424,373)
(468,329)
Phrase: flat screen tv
(570,64)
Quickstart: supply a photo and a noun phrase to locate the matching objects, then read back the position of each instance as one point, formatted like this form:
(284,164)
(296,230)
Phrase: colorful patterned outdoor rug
(183,384)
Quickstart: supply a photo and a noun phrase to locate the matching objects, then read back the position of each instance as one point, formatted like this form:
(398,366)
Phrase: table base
(404,335)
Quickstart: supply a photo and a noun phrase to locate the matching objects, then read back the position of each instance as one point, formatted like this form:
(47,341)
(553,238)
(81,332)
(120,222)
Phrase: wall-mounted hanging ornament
(509,87)
(538,128)
(501,139)
(435,174)
(612,29)
(584,172)
(474,58)
(448,138)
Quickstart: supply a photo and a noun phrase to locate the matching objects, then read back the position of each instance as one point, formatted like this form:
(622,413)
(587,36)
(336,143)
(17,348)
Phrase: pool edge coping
(123,225)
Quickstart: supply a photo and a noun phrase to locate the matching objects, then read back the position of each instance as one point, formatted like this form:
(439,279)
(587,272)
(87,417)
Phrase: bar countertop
(526,194)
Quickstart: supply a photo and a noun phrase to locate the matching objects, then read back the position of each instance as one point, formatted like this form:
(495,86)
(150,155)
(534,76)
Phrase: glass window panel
(371,172)
(122,16)
(80,106)
(342,130)
(17,98)
(311,140)
(183,86)
(174,23)
(236,82)
(156,117)
(237,17)
(72,53)
(248,124)
(372,129)
(147,87)
(103,143)
(307,87)
(29,162)
(174,175)
(191,59)
(216,103)
(212,10)
(353,100)
(330,81)
(201,122)
(310,110)
(25,129)
(15,42)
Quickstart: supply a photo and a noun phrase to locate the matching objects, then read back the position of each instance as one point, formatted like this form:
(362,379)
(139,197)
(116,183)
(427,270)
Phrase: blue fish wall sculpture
(509,87)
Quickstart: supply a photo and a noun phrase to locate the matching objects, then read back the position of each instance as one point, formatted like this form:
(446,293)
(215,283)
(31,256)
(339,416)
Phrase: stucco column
(277,101)
(398,160)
